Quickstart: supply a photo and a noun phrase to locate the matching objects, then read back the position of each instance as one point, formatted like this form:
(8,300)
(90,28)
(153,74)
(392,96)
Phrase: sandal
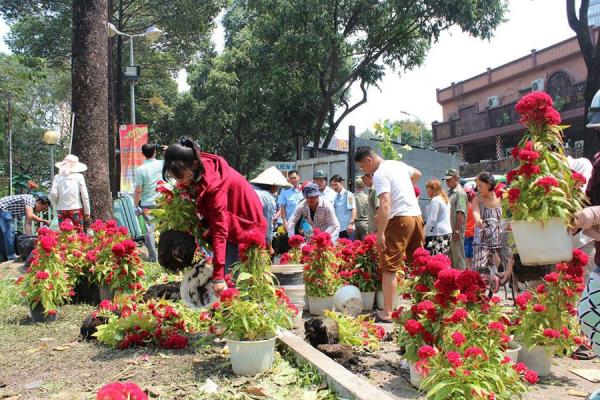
(380,320)
(583,353)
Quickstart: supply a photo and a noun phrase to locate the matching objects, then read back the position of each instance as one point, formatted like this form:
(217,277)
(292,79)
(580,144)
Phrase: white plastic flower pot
(368,299)
(538,358)
(288,274)
(295,293)
(379,300)
(251,357)
(318,305)
(415,378)
(542,243)
(348,300)
(512,351)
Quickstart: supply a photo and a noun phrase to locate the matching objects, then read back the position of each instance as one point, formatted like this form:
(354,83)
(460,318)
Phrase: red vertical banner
(131,140)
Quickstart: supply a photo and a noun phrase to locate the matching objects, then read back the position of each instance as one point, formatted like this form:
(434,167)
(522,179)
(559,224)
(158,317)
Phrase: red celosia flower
(296,240)
(547,183)
(419,287)
(539,308)
(551,333)
(216,305)
(426,352)
(496,300)
(454,358)
(578,178)
(541,288)
(520,367)
(534,107)
(474,352)
(175,341)
(421,368)
(66,225)
(565,331)
(551,277)
(506,360)
(512,175)
(51,312)
(445,282)
(552,117)
(459,315)
(529,170)
(513,195)
(470,282)
(41,275)
(497,326)
(529,156)
(107,305)
(228,294)
(438,263)
(413,327)
(531,377)
(121,391)
(458,339)
(119,250)
(48,243)
(417,191)
(111,224)
(129,245)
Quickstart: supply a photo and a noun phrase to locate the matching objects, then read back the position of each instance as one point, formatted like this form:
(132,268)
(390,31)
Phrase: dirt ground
(48,361)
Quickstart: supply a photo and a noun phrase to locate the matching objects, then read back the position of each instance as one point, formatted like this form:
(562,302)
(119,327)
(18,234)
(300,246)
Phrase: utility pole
(10,148)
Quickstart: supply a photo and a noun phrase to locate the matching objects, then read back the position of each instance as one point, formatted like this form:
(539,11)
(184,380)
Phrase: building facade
(480,121)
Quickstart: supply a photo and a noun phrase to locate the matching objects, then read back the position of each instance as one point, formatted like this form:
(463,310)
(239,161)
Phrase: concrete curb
(344,382)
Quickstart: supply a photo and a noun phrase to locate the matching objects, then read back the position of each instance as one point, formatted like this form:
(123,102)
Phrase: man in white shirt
(399,221)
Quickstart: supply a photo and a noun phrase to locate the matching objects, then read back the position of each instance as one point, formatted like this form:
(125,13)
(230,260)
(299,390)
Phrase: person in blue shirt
(145,195)
(345,207)
(289,198)
(320,178)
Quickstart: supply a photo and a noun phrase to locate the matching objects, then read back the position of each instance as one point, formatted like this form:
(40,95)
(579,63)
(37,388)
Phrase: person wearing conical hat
(69,192)
(266,185)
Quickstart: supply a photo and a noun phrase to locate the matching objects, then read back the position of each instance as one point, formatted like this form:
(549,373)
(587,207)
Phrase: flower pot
(512,351)
(368,299)
(251,357)
(289,274)
(306,304)
(37,314)
(296,293)
(379,298)
(106,293)
(540,244)
(317,305)
(538,358)
(415,378)
(348,300)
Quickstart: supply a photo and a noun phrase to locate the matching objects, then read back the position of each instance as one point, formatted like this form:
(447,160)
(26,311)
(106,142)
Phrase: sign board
(283,166)
(131,140)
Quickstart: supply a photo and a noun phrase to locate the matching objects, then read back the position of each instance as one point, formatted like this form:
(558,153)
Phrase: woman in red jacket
(223,197)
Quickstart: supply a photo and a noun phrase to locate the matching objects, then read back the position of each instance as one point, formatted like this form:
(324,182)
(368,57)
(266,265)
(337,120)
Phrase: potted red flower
(321,272)
(543,194)
(544,321)
(250,315)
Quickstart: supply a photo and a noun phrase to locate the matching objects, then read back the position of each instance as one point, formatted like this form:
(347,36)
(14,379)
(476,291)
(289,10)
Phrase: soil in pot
(86,292)
(176,250)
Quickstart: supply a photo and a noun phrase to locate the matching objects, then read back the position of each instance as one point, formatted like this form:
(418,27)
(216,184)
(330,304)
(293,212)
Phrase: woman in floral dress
(490,244)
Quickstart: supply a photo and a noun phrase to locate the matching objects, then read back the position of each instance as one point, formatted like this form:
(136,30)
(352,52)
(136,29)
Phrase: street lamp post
(132,71)
(417,118)
(51,138)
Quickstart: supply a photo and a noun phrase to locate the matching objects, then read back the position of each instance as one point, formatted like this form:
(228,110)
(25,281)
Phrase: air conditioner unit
(493,101)
(537,85)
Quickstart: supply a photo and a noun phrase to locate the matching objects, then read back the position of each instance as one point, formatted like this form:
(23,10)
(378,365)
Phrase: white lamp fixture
(152,34)
(111,30)
(594,112)
(51,137)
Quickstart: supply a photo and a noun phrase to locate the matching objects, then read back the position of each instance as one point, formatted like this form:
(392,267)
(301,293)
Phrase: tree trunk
(112,118)
(90,99)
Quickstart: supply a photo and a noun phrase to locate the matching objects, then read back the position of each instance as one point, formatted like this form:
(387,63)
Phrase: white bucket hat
(70,164)
(271,176)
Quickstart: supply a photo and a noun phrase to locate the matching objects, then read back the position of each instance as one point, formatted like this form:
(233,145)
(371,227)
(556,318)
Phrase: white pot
(288,274)
(296,293)
(379,298)
(368,299)
(251,357)
(538,358)
(317,305)
(348,300)
(415,378)
(541,244)
(512,351)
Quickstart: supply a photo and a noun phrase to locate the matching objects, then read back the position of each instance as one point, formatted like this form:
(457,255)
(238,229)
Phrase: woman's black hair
(488,178)
(180,157)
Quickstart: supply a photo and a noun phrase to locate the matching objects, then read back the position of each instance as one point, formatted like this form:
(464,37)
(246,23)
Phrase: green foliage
(358,332)
(9,296)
